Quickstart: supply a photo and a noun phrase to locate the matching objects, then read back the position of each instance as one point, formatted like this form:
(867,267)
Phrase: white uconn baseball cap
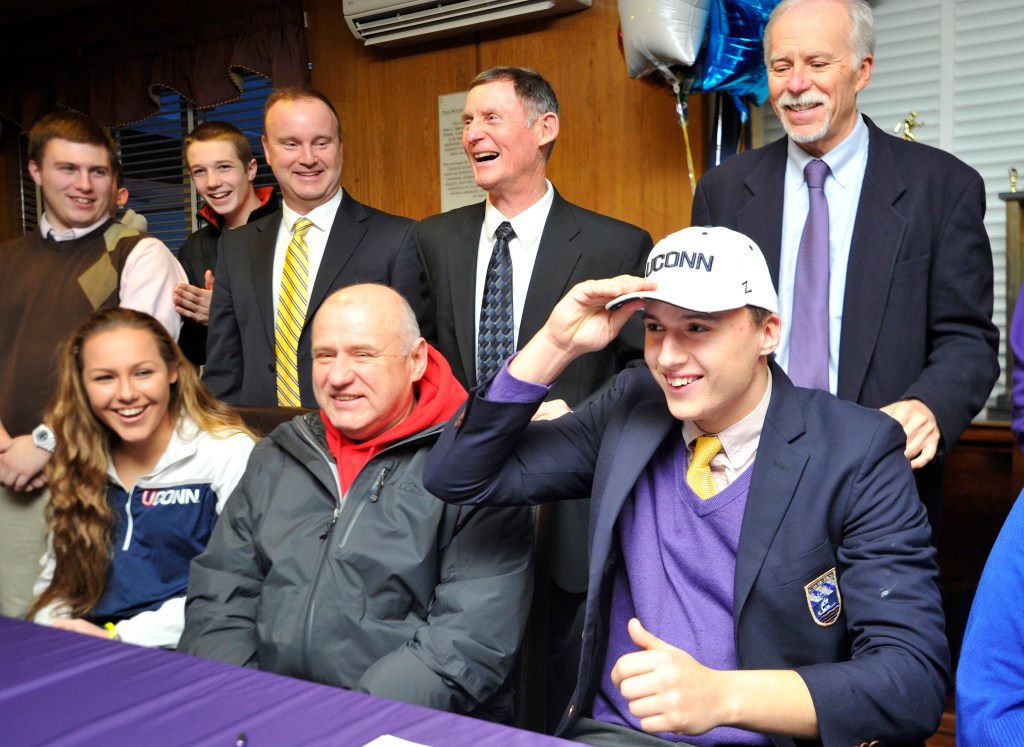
(708,269)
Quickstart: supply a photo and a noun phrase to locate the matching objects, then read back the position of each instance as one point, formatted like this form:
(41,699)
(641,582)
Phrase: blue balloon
(732,59)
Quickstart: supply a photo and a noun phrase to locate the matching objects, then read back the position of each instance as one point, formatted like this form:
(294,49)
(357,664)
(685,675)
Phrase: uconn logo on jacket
(160,528)
(172,496)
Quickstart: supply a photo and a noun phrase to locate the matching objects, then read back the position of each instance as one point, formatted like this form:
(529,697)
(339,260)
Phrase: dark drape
(110,61)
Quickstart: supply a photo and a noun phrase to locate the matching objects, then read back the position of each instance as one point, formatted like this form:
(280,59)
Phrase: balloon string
(681,93)
(681,110)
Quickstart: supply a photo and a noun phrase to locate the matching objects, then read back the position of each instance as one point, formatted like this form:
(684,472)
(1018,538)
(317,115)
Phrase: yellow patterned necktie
(698,475)
(291,315)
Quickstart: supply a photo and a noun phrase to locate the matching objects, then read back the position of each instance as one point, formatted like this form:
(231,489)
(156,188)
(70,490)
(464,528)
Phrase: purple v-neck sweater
(676,576)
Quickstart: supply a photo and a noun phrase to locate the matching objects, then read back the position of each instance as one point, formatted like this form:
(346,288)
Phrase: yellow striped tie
(698,475)
(291,315)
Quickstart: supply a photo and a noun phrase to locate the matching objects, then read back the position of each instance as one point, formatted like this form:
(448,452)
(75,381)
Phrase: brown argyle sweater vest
(46,287)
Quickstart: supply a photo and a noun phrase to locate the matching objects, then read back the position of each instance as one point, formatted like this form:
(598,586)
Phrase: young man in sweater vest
(79,260)
(760,567)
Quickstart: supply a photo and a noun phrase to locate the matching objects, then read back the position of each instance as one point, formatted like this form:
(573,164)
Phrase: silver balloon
(656,33)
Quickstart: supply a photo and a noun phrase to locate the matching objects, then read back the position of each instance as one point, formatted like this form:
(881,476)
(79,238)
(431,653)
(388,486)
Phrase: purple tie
(808,340)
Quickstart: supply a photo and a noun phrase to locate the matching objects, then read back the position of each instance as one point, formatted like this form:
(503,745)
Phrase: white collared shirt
(739,441)
(322,217)
(55,234)
(528,226)
(847,162)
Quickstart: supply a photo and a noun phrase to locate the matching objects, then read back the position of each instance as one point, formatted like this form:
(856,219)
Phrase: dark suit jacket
(917,318)
(830,489)
(576,245)
(365,245)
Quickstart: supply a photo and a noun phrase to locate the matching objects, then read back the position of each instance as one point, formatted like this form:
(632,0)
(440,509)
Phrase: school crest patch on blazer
(823,598)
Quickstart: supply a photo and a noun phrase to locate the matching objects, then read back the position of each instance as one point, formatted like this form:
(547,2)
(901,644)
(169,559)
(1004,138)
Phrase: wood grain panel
(388,105)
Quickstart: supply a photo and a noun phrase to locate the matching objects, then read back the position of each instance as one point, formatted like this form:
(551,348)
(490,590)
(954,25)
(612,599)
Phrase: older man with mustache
(877,245)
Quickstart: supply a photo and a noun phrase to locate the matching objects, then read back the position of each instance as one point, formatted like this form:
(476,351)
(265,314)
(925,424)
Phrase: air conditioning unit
(389,23)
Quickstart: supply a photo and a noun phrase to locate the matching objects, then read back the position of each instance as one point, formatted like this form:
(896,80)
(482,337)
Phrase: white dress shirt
(739,441)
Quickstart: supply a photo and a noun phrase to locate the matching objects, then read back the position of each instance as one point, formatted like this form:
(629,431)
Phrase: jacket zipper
(331,523)
(130,524)
(325,544)
(372,497)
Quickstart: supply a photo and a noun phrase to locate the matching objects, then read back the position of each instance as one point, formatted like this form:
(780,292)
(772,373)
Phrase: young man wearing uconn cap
(760,567)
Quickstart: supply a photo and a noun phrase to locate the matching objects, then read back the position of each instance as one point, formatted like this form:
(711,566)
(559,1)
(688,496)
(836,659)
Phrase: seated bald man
(332,563)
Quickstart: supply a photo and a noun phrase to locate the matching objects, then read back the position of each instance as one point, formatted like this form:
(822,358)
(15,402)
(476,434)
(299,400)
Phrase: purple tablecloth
(60,688)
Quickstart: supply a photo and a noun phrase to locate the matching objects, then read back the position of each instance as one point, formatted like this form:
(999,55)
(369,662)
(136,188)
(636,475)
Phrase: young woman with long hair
(145,459)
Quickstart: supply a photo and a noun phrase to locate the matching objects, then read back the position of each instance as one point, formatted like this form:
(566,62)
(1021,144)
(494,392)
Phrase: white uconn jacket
(162,522)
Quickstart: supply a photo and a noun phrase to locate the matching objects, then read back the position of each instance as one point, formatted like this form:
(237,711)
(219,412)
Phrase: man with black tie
(897,312)
(496,269)
(273,274)
(509,128)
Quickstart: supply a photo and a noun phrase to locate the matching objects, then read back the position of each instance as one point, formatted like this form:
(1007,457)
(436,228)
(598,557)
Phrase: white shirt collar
(739,440)
(322,216)
(528,225)
(842,160)
(48,230)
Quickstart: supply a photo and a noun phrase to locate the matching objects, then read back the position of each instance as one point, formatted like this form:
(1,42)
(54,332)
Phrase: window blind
(151,155)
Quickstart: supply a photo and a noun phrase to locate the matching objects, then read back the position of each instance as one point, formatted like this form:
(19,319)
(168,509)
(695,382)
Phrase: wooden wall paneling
(978,490)
(620,150)
(387,99)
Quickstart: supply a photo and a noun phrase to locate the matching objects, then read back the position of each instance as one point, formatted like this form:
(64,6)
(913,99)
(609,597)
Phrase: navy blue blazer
(830,489)
(917,316)
(365,246)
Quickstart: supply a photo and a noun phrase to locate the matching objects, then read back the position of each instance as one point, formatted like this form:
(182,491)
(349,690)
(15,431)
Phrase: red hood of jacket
(216,219)
(438,395)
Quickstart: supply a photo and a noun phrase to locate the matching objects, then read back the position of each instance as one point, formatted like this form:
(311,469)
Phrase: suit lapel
(346,233)
(557,257)
(647,426)
(877,237)
(760,217)
(777,471)
(261,260)
(461,264)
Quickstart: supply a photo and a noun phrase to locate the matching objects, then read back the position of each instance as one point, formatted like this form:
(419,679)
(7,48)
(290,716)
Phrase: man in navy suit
(910,291)
(347,243)
(775,587)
